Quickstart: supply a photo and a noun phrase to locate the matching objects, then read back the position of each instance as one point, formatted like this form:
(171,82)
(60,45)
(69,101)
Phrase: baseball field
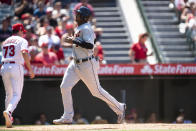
(104,127)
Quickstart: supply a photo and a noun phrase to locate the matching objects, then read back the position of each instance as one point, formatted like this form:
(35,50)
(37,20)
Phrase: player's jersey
(12,48)
(86,33)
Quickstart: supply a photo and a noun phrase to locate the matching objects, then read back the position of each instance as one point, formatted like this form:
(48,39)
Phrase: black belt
(85,59)
(9,62)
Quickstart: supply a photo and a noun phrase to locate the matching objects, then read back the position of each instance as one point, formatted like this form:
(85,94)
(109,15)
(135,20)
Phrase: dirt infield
(105,127)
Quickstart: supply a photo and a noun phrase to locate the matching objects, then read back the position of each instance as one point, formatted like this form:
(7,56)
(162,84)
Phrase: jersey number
(11,49)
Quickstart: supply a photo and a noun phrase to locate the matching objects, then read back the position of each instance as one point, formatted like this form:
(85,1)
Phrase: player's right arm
(24,51)
(27,62)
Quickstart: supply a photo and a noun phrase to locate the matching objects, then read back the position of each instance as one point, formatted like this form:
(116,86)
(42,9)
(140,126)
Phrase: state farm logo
(116,70)
(146,69)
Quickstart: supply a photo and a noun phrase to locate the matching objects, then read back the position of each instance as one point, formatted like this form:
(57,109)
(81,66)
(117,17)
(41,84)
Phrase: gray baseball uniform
(87,71)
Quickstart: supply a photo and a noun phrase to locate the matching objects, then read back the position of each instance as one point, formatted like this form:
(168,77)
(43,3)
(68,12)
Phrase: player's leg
(17,79)
(8,86)
(90,77)
(9,94)
(5,72)
(69,80)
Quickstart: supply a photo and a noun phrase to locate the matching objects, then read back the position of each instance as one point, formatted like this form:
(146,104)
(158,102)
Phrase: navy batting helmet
(84,11)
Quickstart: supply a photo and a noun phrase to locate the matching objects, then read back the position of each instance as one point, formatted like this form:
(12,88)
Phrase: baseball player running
(84,66)
(15,52)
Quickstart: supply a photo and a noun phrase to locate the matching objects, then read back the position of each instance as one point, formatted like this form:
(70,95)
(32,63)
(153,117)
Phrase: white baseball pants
(13,78)
(87,72)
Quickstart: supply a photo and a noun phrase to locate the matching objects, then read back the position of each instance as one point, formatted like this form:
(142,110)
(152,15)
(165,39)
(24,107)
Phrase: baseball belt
(9,62)
(85,59)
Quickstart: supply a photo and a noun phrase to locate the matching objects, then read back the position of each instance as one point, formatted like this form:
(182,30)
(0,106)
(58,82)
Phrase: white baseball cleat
(121,117)
(8,119)
(62,121)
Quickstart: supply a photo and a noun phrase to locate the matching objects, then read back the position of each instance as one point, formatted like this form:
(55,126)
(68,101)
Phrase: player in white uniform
(84,66)
(15,52)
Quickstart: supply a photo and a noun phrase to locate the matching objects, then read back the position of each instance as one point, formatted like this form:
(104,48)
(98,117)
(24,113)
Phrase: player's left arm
(82,43)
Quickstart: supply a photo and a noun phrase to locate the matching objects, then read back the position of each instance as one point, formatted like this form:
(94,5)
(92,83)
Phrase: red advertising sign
(123,69)
(50,70)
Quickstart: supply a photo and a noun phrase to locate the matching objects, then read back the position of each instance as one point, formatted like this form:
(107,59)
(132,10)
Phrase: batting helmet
(84,11)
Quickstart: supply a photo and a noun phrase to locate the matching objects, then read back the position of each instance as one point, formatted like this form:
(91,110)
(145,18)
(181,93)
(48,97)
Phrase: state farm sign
(116,69)
(122,69)
(170,69)
(51,70)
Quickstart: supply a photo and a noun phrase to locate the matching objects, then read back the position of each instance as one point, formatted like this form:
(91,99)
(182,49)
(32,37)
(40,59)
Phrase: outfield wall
(161,94)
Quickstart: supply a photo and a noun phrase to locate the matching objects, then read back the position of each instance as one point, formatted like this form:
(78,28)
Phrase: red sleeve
(58,32)
(54,56)
(133,47)
(100,52)
(60,54)
(100,57)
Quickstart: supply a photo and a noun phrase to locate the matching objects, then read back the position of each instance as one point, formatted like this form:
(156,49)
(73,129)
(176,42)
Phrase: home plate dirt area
(105,127)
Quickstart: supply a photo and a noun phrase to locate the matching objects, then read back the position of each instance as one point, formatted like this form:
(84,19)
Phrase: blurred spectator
(33,51)
(59,11)
(99,120)
(98,31)
(26,18)
(181,118)
(78,119)
(34,41)
(132,117)
(49,2)
(29,19)
(68,47)
(42,120)
(56,48)
(49,38)
(8,2)
(190,27)
(40,11)
(23,6)
(41,27)
(152,118)
(85,3)
(188,9)
(61,29)
(98,52)
(52,21)
(187,26)
(5,31)
(138,51)
(191,31)
(45,56)
(188,13)
(29,34)
(180,4)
